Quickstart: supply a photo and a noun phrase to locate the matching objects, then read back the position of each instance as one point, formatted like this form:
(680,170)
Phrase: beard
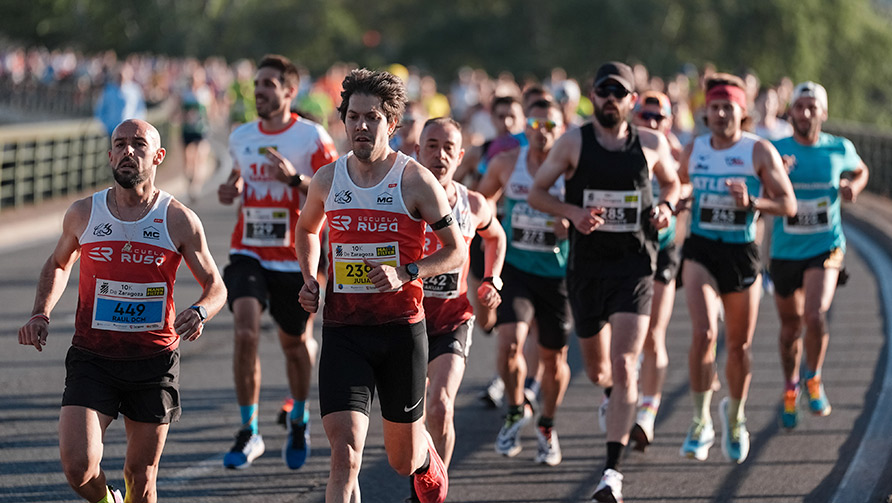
(808,130)
(129,180)
(607,120)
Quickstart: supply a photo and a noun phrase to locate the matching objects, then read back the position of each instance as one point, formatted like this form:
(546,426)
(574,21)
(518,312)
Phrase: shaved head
(137,127)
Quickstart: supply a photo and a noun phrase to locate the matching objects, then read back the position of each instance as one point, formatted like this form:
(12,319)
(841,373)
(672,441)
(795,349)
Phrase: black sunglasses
(652,116)
(618,92)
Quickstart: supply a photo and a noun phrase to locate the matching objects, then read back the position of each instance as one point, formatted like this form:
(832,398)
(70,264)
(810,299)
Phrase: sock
(301,411)
(614,452)
(649,406)
(427,464)
(515,410)
(607,391)
(791,385)
(546,422)
(702,402)
(735,410)
(249,417)
(811,374)
(108,498)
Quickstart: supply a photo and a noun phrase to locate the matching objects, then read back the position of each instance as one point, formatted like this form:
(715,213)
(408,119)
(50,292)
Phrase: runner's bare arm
(55,273)
(495,244)
(779,197)
(659,156)
(188,236)
(307,239)
(851,186)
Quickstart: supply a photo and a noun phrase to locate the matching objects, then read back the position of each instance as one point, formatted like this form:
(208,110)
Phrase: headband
(733,94)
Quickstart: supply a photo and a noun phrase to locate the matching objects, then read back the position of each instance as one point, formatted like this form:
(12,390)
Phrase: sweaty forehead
(137,129)
(364,103)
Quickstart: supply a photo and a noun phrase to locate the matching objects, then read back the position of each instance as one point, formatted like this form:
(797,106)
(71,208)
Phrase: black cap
(614,70)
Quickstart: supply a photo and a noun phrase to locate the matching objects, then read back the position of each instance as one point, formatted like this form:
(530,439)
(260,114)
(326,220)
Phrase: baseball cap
(811,89)
(657,98)
(614,70)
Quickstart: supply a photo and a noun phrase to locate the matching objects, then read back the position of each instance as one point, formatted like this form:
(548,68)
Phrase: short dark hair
(503,100)
(724,79)
(384,85)
(547,105)
(290,75)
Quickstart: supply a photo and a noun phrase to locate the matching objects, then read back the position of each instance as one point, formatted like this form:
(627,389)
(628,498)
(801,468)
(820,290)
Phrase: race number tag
(351,275)
(442,286)
(266,227)
(129,307)
(811,217)
(622,209)
(719,212)
(531,229)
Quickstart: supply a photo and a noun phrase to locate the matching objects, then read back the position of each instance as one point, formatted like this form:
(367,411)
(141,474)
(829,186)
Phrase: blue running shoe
(817,399)
(248,447)
(789,409)
(735,438)
(700,438)
(297,446)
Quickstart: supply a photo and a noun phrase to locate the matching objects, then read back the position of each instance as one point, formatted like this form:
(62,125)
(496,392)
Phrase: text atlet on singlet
(125,293)
(370,223)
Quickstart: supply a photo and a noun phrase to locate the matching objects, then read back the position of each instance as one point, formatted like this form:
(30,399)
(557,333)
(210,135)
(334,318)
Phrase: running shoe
(248,447)
(735,438)
(789,409)
(700,438)
(817,399)
(297,446)
(602,413)
(432,485)
(610,489)
(508,440)
(284,412)
(529,398)
(643,431)
(494,393)
(117,497)
(549,449)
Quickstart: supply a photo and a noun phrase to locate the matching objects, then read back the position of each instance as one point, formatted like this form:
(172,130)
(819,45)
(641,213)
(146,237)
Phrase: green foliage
(840,43)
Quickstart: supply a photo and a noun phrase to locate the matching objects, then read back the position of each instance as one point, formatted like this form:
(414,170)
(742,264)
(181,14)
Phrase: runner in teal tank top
(807,249)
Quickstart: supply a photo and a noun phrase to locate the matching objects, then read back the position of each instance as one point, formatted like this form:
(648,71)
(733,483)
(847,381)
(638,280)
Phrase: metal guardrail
(875,148)
(43,161)
(47,160)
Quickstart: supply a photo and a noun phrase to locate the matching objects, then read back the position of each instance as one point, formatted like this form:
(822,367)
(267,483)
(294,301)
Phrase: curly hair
(386,86)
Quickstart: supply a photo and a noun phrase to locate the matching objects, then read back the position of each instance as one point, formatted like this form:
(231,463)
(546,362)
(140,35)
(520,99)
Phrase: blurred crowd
(216,94)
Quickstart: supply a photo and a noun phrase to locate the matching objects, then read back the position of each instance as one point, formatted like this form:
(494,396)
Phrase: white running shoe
(248,447)
(735,438)
(549,449)
(494,393)
(508,440)
(700,438)
(643,431)
(610,489)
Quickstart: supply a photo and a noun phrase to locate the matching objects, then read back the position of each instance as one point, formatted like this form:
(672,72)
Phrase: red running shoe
(432,486)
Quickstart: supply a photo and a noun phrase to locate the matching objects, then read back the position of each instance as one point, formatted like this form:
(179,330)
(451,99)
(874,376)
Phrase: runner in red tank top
(376,202)
(124,356)
(449,315)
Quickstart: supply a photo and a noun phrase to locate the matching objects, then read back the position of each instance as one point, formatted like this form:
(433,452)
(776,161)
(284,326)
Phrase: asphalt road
(808,464)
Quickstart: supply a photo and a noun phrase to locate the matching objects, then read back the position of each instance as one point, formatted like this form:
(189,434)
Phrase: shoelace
(814,388)
(697,430)
(790,400)
(241,440)
(737,430)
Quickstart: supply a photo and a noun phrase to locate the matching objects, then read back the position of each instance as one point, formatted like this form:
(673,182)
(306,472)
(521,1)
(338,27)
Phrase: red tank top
(125,304)
(372,223)
(446,304)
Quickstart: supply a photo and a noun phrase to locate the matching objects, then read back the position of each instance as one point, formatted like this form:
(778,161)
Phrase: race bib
(622,209)
(351,275)
(811,217)
(532,230)
(719,212)
(266,227)
(442,286)
(129,307)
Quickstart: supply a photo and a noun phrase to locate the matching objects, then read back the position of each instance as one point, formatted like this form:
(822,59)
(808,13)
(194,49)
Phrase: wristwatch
(296,180)
(202,312)
(668,205)
(412,270)
(495,281)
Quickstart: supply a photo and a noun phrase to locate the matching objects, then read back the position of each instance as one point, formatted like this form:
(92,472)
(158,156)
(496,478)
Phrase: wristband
(41,315)
(296,180)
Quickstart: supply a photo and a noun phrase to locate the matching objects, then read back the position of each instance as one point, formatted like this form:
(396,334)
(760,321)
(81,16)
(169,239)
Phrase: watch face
(202,312)
(497,282)
(412,269)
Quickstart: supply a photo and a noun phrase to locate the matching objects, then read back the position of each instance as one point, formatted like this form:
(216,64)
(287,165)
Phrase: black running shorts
(595,300)
(787,274)
(456,342)
(735,266)
(245,277)
(527,296)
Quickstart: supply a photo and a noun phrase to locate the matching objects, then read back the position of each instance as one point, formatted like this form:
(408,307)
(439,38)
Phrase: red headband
(733,94)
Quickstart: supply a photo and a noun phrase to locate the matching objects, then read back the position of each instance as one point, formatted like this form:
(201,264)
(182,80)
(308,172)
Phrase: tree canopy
(841,43)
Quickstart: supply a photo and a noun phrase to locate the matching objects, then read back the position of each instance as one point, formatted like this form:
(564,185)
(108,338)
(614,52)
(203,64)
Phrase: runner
(608,166)
(376,202)
(274,158)
(807,249)
(735,175)
(535,286)
(654,111)
(124,355)
(448,313)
